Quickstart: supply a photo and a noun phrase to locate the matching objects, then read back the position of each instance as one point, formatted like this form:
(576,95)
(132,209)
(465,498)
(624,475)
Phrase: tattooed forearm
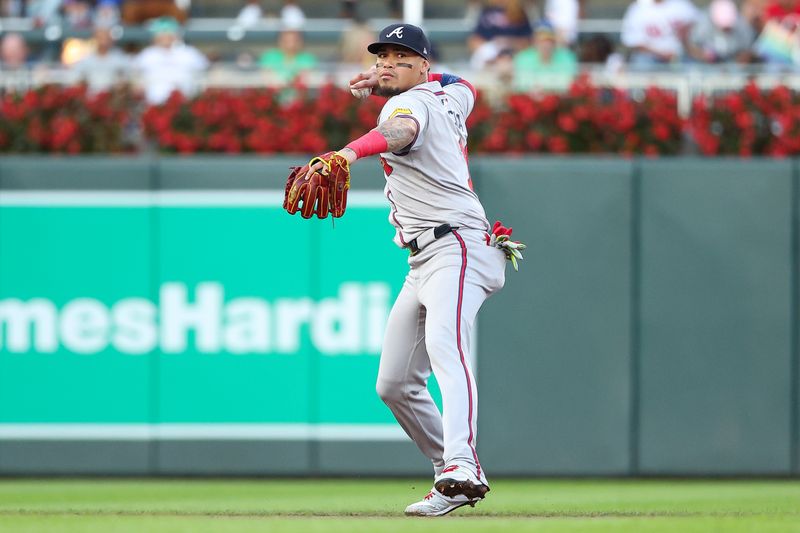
(399,132)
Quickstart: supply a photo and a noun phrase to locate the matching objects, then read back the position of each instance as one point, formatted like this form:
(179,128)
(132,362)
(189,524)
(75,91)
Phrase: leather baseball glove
(323,191)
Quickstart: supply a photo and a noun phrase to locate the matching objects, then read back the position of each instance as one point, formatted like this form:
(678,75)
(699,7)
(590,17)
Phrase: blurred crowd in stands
(655,35)
(83,14)
(521,42)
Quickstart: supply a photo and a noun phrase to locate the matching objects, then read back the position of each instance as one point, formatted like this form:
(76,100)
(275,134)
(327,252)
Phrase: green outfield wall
(164,316)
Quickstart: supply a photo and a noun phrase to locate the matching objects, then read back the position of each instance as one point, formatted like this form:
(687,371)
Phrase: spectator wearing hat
(546,63)
(289,59)
(721,35)
(169,64)
(654,31)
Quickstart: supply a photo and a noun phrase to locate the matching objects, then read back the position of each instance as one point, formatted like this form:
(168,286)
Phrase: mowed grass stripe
(474,514)
(387,496)
(448,524)
(122,505)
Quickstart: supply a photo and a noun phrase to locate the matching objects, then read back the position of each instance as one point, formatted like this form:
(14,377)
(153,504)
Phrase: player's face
(400,69)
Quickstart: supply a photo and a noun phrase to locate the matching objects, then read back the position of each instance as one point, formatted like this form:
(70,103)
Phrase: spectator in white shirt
(655,31)
(169,64)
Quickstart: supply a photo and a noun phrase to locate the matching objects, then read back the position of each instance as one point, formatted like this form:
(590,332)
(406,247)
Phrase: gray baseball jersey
(428,183)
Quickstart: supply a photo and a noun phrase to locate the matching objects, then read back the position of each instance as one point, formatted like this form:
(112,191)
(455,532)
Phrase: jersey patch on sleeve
(400,111)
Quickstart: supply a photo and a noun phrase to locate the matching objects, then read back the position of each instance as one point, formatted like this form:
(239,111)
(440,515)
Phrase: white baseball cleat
(436,504)
(455,481)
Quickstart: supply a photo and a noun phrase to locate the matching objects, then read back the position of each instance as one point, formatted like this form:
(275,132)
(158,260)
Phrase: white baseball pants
(429,328)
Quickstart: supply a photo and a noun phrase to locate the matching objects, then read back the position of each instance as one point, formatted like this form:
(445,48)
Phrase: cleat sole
(454,487)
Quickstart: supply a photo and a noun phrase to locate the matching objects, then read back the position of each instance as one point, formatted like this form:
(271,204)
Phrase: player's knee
(389,392)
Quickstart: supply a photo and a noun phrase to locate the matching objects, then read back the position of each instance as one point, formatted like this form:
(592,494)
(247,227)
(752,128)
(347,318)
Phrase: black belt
(438,233)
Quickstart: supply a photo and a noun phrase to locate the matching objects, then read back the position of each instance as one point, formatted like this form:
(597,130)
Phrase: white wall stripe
(169,198)
(135,432)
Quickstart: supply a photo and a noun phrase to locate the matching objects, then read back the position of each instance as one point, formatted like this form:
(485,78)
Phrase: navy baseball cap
(406,35)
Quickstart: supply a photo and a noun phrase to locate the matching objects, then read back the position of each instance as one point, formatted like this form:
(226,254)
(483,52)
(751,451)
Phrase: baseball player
(455,262)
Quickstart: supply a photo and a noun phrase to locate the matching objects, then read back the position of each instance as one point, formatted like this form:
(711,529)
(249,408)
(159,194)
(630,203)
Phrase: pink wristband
(370,144)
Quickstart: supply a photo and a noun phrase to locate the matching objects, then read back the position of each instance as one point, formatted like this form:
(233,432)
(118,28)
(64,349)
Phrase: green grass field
(332,505)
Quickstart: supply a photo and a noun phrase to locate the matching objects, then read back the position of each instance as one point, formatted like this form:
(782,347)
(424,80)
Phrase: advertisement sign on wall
(194,314)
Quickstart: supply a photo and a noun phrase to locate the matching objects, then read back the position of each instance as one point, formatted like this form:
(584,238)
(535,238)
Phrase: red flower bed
(260,121)
(748,122)
(64,120)
(586,119)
